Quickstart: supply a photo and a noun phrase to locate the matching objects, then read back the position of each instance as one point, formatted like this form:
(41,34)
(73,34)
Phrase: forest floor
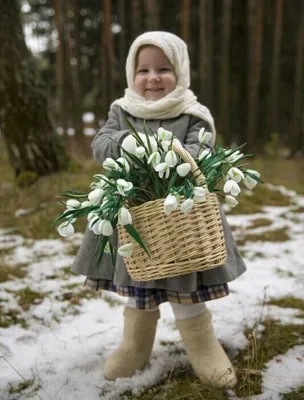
(55,335)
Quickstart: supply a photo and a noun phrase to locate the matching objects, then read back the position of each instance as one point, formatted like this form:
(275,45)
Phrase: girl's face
(154,75)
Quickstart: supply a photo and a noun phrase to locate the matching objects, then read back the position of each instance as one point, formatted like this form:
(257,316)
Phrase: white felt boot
(204,351)
(138,338)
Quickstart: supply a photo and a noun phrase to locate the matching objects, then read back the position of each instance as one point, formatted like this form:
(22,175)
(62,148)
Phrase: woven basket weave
(179,243)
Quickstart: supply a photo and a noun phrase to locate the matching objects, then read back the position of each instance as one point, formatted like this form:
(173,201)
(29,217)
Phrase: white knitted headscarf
(181,100)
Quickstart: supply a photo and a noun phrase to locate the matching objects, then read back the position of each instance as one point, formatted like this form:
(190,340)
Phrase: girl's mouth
(155,90)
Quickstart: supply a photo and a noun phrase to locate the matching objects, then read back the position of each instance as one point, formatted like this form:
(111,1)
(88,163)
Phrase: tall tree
(122,43)
(27,130)
(61,72)
(152,21)
(203,52)
(224,105)
(298,103)
(274,74)
(255,42)
(107,56)
(185,20)
(74,61)
(136,18)
(206,52)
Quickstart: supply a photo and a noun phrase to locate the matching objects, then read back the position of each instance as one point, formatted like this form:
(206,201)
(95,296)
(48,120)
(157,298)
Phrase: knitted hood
(181,100)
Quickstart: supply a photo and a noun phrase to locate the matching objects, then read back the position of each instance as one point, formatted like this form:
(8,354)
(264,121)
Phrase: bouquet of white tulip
(150,169)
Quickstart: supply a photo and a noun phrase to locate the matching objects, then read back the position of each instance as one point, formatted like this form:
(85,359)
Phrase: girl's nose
(153,77)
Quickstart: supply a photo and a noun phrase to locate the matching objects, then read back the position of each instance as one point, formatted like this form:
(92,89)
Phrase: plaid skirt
(150,298)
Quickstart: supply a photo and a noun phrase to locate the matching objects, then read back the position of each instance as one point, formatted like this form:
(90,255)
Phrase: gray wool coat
(185,128)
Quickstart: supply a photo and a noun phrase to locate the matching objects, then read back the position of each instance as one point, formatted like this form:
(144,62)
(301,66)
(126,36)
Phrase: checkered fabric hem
(151,298)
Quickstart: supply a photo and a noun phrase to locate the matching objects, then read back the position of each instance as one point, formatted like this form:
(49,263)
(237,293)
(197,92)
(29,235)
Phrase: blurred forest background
(62,63)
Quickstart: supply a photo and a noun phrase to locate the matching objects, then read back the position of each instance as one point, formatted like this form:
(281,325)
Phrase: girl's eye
(142,71)
(164,70)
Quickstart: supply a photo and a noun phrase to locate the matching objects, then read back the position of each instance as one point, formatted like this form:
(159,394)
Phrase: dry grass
(275,339)
(274,235)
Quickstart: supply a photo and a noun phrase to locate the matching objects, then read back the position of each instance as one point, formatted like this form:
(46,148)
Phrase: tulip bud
(171,158)
(231,201)
(183,169)
(187,206)
(170,204)
(125,250)
(95,196)
(124,216)
(65,229)
(72,203)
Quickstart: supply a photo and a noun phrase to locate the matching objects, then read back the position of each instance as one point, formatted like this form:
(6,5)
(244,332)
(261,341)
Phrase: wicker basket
(179,243)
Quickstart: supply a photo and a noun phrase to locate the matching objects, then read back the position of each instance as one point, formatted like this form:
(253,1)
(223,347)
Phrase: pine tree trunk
(203,53)
(74,68)
(211,54)
(61,75)
(255,40)
(224,91)
(31,141)
(185,21)
(122,45)
(152,21)
(107,58)
(274,75)
(136,18)
(298,104)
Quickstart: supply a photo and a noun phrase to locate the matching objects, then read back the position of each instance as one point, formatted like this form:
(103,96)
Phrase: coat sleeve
(191,142)
(106,142)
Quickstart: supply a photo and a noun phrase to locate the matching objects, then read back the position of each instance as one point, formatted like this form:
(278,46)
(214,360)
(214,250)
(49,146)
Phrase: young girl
(158,78)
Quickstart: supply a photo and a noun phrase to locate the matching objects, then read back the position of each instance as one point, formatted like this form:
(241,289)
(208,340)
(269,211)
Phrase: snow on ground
(65,345)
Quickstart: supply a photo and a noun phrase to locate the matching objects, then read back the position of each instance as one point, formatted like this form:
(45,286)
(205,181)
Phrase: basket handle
(199,176)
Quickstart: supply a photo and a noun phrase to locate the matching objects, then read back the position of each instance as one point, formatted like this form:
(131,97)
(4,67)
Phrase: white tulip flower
(65,229)
(124,163)
(166,144)
(163,169)
(129,145)
(199,194)
(234,156)
(153,143)
(163,134)
(124,216)
(93,220)
(125,250)
(110,164)
(171,158)
(123,186)
(203,136)
(105,227)
(95,227)
(205,153)
(235,174)
(91,215)
(170,204)
(151,139)
(231,201)
(253,172)
(183,169)
(154,158)
(187,206)
(71,204)
(140,151)
(232,187)
(85,204)
(95,196)
(249,182)
(103,181)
